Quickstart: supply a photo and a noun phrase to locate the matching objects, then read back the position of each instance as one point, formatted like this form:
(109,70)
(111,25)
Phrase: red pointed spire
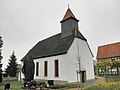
(68,14)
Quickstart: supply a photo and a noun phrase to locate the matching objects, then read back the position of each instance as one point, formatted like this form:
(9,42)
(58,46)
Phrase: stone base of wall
(59,82)
(56,82)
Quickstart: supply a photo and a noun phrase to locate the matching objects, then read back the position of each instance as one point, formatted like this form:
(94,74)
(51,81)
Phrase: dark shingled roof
(55,45)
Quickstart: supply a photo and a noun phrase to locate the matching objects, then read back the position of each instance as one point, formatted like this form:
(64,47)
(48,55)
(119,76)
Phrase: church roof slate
(55,45)
(52,46)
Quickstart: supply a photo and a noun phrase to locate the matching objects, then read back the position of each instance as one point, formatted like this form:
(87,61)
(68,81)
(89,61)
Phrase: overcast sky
(25,22)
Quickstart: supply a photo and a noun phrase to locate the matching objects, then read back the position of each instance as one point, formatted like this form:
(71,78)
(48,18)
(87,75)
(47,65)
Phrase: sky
(25,22)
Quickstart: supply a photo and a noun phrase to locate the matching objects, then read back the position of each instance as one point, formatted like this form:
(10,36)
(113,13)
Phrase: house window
(37,68)
(113,58)
(45,68)
(56,66)
(118,58)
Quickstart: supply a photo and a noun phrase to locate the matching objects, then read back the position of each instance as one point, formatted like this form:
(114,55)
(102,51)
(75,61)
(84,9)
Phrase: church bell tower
(68,23)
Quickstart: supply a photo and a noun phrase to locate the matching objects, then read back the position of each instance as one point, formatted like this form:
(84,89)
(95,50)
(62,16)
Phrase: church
(60,57)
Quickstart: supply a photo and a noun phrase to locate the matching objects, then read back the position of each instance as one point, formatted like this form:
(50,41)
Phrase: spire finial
(68,5)
(68,14)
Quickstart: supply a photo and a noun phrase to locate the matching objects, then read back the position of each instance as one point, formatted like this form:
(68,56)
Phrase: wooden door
(83,76)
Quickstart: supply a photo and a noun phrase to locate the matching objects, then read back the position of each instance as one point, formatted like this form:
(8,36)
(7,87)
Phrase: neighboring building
(56,58)
(109,52)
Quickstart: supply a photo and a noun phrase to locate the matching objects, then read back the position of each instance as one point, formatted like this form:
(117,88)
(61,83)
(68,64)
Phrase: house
(59,57)
(109,52)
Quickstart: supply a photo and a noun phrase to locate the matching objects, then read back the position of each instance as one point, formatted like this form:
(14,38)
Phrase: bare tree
(79,67)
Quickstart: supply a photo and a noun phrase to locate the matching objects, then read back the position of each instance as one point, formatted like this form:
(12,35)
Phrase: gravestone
(7,86)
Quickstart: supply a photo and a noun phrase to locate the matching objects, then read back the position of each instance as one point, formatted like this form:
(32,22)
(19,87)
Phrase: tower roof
(68,15)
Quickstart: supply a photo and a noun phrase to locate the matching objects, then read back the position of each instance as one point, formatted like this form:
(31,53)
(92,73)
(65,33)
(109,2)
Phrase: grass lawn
(113,78)
(105,86)
(113,84)
(14,84)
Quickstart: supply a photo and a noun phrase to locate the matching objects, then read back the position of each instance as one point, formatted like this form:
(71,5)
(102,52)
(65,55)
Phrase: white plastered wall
(85,57)
(68,63)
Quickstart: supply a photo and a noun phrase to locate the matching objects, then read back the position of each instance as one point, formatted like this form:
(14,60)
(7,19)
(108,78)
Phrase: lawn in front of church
(114,83)
(14,84)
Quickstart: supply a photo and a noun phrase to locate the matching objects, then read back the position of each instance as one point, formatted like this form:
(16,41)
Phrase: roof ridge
(109,44)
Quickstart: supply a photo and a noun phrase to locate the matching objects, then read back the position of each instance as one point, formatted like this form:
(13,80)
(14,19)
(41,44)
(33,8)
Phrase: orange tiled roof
(68,15)
(109,50)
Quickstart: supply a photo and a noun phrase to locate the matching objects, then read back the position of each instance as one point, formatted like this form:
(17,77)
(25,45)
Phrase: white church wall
(68,63)
(50,60)
(85,56)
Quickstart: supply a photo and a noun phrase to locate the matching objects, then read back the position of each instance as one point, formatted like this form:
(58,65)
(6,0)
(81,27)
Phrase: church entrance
(83,76)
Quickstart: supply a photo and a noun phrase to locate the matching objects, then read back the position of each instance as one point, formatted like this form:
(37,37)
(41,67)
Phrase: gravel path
(91,82)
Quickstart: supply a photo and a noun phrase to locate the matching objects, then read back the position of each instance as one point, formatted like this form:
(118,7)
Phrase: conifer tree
(11,69)
(1,44)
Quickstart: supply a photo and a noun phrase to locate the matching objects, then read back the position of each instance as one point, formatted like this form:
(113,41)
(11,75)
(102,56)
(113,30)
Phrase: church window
(37,68)
(56,66)
(45,68)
